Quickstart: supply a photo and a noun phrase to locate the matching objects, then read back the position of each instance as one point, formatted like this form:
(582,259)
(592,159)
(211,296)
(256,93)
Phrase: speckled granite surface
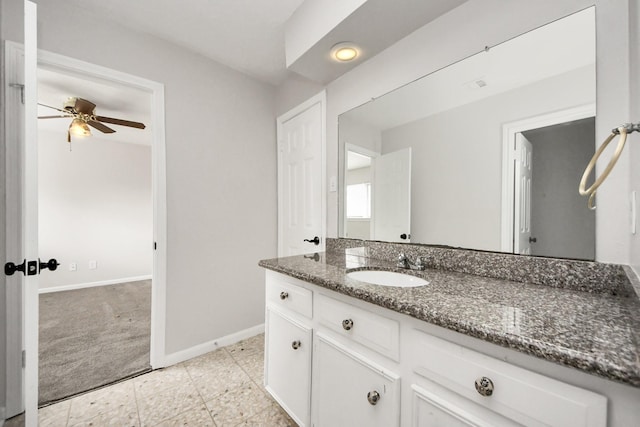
(598,333)
(584,276)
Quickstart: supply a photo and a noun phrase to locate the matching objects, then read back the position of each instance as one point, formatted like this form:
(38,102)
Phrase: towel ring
(591,191)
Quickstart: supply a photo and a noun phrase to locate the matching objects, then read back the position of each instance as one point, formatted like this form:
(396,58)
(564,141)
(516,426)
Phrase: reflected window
(359,200)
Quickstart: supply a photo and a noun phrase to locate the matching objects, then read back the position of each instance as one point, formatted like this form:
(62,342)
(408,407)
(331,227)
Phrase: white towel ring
(591,191)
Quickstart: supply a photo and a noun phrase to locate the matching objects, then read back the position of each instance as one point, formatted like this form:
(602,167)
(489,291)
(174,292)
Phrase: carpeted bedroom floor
(93,336)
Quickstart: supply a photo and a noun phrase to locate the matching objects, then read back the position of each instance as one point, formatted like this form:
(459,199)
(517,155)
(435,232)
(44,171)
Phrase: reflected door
(392,196)
(522,199)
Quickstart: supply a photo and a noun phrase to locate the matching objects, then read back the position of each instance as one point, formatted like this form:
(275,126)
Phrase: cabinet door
(435,409)
(288,364)
(352,391)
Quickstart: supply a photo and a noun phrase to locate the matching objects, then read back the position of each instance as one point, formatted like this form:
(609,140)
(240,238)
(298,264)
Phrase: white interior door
(392,196)
(522,199)
(301,179)
(22,216)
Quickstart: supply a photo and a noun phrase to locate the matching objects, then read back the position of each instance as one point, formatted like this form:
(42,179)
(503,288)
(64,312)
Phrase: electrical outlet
(93,264)
(73,266)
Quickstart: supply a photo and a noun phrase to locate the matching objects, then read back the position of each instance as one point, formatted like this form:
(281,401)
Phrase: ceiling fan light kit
(83,114)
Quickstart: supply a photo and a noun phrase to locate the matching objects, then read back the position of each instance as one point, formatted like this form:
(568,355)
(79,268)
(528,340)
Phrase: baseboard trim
(93,284)
(200,349)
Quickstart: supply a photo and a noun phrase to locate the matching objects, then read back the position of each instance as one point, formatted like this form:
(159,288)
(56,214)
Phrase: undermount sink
(387,278)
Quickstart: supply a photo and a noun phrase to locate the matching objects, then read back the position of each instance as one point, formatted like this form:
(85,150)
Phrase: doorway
(95,217)
(17,385)
(543,161)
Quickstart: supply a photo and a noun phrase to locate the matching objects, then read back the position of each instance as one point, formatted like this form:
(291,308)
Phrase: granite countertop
(594,332)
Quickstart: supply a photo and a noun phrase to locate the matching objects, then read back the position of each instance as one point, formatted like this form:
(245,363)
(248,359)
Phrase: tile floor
(221,388)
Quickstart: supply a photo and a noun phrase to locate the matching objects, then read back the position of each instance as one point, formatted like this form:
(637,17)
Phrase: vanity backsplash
(579,275)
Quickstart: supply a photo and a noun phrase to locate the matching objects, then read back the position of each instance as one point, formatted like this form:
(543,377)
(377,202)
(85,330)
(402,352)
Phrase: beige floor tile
(234,406)
(198,417)
(210,361)
(254,367)
(167,404)
(160,380)
(273,416)
(248,346)
(116,401)
(56,415)
(212,382)
(111,420)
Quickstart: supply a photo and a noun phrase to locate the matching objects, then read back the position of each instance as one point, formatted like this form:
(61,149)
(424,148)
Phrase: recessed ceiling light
(344,52)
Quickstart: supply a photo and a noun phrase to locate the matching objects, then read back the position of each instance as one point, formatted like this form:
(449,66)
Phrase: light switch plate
(333,184)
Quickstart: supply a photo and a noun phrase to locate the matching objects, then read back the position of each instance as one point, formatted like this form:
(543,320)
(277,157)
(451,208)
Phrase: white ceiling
(246,35)
(117,101)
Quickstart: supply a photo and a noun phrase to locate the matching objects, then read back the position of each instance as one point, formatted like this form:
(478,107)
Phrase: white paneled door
(392,196)
(301,195)
(522,204)
(22,214)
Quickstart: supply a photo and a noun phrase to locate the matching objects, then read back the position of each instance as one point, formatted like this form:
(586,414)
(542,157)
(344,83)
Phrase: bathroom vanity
(552,342)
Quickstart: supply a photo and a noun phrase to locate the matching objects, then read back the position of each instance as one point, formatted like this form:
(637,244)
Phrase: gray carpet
(93,336)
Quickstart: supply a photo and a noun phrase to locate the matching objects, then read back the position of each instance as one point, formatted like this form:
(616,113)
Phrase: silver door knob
(284,295)
(347,324)
(295,345)
(484,386)
(373,397)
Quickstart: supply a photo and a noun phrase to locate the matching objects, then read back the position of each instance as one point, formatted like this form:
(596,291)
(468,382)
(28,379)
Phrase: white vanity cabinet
(357,364)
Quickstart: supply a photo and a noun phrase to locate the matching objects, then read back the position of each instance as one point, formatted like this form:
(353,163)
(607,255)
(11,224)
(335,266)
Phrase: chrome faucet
(404,262)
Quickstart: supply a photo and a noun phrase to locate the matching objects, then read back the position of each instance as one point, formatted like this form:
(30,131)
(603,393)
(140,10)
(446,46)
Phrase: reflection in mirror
(495,146)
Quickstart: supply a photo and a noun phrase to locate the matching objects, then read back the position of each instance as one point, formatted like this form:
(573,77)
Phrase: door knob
(52,264)
(315,240)
(532,240)
(10,268)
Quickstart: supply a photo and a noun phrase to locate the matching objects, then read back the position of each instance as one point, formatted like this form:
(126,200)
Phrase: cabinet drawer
(369,329)
(518,394)
(282,292)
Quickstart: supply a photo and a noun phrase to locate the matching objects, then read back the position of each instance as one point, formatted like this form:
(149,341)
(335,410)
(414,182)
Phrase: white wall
(456,178)
(221,214)
(94,203)
(487,22)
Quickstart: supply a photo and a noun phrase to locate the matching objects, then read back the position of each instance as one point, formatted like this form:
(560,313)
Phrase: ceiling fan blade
(54,117)
(102,128)
(83,106)
(54,108)
(121,122)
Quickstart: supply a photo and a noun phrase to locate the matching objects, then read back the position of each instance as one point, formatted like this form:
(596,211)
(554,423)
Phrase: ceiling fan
(83,114)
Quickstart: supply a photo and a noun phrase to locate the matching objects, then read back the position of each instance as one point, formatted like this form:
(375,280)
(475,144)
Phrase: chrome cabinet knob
(284,295)
(347,324)
(484,386)
(295,345)
(373,397)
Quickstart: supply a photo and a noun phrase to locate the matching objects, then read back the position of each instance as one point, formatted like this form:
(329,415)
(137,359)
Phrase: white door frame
(320,98)
(158,297)
(509,131)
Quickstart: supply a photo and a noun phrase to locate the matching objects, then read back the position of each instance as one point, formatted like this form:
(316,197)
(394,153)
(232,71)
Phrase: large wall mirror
(485,154)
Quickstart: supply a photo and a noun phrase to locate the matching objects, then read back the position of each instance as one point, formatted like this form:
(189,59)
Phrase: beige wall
(221,215)
(94,203)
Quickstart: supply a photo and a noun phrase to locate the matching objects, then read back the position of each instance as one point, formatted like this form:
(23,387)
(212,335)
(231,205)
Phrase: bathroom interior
(413,274)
